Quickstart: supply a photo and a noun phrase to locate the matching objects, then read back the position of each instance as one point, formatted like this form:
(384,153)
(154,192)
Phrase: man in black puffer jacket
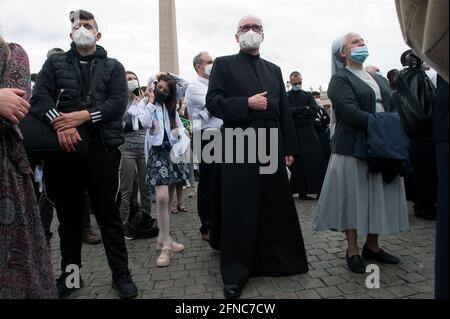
(83,94)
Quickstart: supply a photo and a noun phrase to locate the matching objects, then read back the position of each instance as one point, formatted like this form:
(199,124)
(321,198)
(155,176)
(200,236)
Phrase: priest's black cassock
(308,171)
(260,229)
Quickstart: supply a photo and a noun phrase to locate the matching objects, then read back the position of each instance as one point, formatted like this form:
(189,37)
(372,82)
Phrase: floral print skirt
(25,264)
(161,170)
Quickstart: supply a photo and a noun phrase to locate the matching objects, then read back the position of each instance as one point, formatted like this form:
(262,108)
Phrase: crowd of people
(123,146)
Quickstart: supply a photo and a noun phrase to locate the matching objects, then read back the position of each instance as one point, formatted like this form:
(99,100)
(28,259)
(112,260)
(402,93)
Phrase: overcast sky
(298,33)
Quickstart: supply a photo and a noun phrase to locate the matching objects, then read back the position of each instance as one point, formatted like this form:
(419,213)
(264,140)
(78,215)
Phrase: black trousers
(87,211)
(442,222)
(206,190)
(97,171)
(424,176)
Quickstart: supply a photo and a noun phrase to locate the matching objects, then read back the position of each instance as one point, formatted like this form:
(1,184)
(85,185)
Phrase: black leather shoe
(123,283)
(232,291)
(356,264)
(380,256)
(61,286)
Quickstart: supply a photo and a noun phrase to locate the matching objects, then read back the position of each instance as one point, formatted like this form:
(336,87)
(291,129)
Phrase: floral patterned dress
(25,266)
(161,170)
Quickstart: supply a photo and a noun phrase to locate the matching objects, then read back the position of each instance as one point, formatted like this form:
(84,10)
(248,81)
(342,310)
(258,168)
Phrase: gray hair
(198,58)
(247,17)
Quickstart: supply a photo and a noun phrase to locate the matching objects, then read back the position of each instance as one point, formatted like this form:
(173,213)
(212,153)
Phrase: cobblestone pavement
(195,273)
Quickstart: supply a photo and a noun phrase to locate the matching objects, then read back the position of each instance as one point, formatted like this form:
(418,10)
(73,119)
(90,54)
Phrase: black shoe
(305,197)
(123,283)
(380,256)
(356,264)
(63,290)
(425,214)
(129,232)
(232,291)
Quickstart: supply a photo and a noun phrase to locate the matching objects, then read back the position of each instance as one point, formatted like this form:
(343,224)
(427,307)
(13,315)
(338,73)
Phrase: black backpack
(414,100)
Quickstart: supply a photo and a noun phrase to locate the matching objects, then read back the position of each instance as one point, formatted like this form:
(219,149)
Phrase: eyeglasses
(246,28)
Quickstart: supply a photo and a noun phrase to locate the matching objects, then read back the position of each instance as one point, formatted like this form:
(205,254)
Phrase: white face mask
(208,69)
(251,40)
(83,38)
(133,85)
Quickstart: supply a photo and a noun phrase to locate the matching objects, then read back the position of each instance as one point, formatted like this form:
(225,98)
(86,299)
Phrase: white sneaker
(164,258)
(174,246)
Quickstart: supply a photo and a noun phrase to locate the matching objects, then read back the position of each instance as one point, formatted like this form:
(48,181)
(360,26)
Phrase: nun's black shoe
(356,264)
(232,291)
(381,256)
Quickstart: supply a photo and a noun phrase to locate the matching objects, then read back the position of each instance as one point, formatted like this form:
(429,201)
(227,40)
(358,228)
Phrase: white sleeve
(142,113)
(196,99)
(182,86)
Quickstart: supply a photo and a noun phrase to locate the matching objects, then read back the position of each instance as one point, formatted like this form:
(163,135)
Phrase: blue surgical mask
(297,88)
(360,54)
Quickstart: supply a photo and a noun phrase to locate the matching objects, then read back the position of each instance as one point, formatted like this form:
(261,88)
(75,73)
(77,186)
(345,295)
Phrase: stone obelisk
(168,42)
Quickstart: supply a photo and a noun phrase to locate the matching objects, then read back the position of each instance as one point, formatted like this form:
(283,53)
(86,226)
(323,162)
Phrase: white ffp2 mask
(83,38)
(251,40)
(208,69)
(133,85)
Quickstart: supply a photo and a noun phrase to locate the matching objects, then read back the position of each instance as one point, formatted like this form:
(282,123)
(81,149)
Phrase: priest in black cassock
(260,229)
(308,171)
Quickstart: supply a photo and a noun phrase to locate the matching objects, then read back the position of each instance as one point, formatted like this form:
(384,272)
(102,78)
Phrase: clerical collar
(249,56)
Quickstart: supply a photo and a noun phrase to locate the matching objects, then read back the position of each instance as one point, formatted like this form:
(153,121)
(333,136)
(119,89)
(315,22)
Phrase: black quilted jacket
(60,80)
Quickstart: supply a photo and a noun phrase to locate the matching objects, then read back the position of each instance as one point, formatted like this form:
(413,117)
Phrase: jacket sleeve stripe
(96,116)
(52,114)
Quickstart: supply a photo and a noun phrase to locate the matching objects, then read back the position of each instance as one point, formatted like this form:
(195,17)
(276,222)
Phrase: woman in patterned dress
(165,137)
(25,266)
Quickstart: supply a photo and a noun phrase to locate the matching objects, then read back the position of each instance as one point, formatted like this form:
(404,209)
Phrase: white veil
(337,64)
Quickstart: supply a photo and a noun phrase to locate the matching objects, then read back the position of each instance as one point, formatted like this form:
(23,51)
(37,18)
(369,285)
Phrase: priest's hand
(258,102)
(289,160)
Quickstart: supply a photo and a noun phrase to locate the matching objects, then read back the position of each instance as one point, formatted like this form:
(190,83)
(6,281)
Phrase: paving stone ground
(195,273)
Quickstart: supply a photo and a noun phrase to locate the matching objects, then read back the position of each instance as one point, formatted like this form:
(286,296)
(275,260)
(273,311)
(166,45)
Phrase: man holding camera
(83,95)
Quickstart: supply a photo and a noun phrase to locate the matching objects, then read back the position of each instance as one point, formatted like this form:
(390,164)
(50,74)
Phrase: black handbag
(39,137)
(414,101)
